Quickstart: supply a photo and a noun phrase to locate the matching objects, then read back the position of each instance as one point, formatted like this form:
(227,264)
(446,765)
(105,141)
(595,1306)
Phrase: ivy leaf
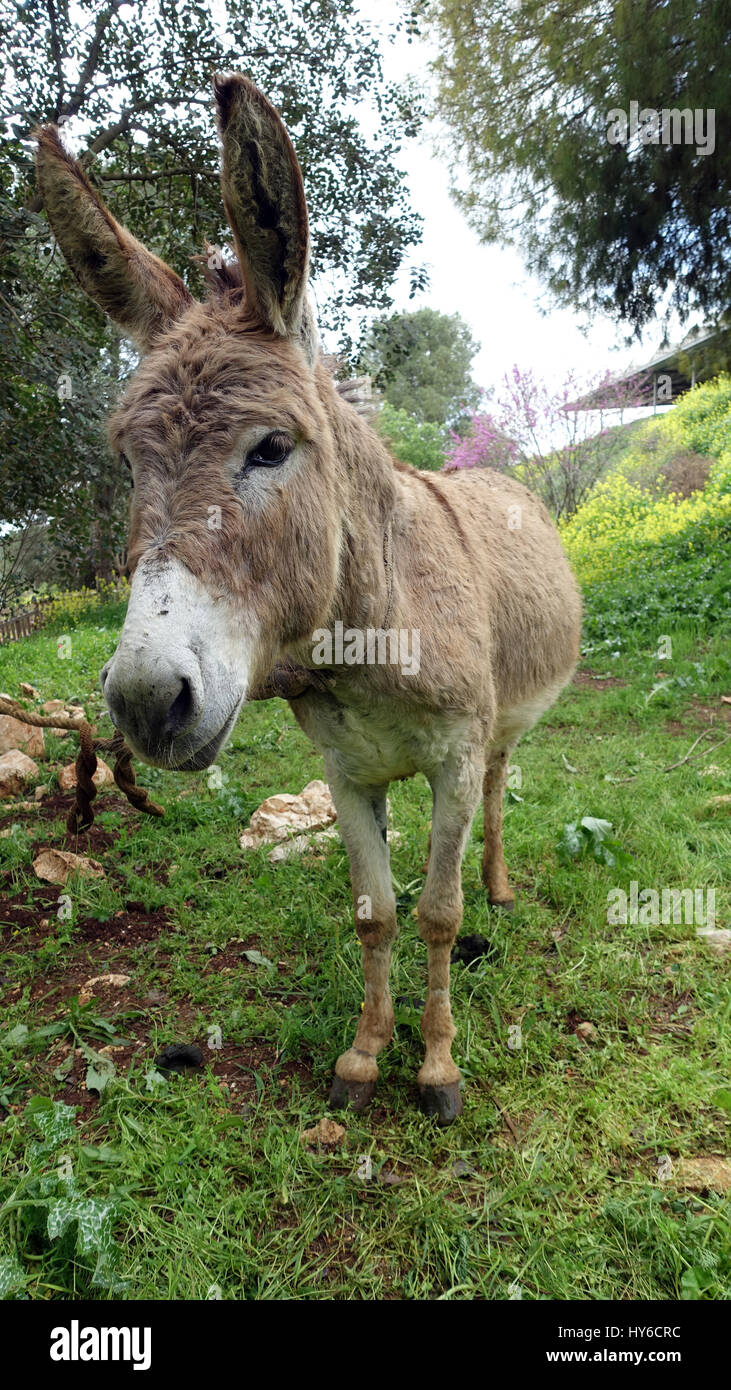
(54,1119)
(12,1275)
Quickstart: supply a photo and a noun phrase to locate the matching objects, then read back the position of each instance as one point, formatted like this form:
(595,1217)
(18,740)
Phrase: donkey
(264,510)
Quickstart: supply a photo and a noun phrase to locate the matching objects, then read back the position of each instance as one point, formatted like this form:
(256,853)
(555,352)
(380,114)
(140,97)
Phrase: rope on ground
(81,815)
(286,681)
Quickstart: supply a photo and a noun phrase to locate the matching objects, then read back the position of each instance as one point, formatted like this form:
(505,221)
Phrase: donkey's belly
(382,742)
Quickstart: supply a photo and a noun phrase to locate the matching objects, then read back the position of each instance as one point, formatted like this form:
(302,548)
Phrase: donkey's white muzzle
(178,678)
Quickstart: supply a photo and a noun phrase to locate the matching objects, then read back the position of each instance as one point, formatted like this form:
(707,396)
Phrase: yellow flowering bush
(702,419)
(67,606)
(625,525)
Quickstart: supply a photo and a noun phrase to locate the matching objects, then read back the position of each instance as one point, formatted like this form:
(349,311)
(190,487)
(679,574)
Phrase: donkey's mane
(224,280)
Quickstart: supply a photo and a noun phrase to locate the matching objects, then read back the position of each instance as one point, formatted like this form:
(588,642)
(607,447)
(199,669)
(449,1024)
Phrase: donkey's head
(235,535)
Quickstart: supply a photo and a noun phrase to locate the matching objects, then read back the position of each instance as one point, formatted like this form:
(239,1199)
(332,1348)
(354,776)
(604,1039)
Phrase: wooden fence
(12,629)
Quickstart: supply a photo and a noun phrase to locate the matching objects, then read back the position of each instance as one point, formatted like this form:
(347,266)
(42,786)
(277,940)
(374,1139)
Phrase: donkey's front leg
(362,821)
(456,789)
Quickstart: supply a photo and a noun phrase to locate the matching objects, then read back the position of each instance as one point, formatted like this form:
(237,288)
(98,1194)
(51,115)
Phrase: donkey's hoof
(507,904)
(356,1094)
(445,1102)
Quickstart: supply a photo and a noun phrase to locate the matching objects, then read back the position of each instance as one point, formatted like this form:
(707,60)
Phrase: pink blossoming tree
(537,433)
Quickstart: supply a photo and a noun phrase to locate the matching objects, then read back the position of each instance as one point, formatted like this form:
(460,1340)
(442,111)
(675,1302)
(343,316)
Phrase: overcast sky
(488,285)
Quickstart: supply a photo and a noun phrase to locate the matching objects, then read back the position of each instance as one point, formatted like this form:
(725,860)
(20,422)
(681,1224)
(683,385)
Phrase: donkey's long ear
(142,294)
(265,204)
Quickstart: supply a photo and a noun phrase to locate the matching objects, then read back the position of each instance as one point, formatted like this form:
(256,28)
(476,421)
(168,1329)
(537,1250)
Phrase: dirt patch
(57,804)
(27,926)
(15,911)
(72,1089)
(232,955)
(135,1011)
(244,1071)
(588,679)
(108,1000)
(685,473)
(711,714)
(237,1065)
(126,928)
(55,808)
(671,1014)
(93,842)
(95,947)
(698,716)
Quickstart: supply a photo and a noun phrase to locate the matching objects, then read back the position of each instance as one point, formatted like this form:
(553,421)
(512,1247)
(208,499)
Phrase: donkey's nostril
(150,699)
(181,710)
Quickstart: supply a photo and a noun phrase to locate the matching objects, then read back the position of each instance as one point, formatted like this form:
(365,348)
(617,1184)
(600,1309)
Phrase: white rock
(16,770)
(15,734)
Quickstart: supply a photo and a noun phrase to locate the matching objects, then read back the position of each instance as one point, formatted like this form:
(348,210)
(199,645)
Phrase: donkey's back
(498,568)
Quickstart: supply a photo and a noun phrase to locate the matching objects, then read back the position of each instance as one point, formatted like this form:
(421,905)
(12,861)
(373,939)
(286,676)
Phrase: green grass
(547,1187)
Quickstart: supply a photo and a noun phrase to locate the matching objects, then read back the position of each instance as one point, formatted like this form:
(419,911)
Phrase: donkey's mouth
(204,756)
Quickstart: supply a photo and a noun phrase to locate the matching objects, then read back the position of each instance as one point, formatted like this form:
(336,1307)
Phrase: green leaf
(103,1154)
(722,1097)
(597,829)
(61,1072)
(694,1283)
(257,958)
(99,1073)
(54,1119)
(591,836)
(12,1275)
(154,1081)
(570,845)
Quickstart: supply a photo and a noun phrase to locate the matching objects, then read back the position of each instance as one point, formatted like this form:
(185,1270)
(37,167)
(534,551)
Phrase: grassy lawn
(568,1175)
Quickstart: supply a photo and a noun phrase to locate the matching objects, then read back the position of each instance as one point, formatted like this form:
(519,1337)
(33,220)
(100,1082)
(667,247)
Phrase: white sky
(488,285)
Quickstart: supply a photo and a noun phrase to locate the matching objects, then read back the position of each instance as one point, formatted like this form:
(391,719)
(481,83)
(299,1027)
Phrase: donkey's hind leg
(494,870)
(362,821)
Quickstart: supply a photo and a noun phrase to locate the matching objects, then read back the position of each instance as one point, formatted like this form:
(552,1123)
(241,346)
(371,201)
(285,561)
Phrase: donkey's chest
(380,742)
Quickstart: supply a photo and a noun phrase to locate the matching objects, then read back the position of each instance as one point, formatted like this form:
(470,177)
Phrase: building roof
(684,364)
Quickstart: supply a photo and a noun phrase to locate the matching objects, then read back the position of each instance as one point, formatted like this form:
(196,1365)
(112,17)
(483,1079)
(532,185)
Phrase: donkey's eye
(269,452)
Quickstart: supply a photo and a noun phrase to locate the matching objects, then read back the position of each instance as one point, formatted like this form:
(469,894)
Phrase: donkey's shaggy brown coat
(337,532)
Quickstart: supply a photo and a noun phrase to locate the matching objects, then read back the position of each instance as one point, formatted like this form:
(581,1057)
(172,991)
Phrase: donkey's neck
(368,493)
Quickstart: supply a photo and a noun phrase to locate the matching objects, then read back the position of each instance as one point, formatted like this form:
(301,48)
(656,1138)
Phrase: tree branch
(92,58)
(56,51)
(100,142)
(154,177)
